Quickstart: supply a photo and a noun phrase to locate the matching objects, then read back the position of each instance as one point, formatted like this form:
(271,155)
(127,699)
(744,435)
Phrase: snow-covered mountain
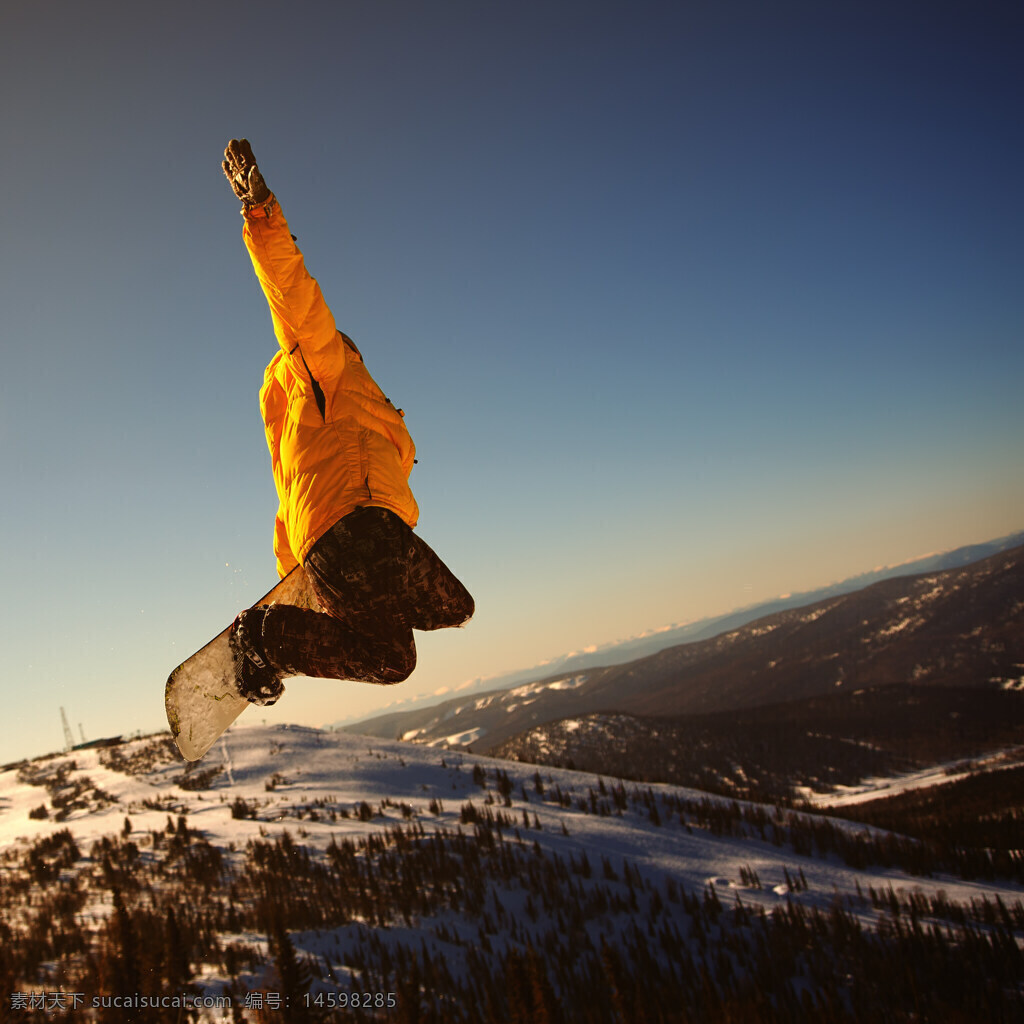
(294,872)
(960,627)
(651,642)
(821,749)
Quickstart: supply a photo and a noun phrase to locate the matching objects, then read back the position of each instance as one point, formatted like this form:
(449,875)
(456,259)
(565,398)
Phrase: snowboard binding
(256,678)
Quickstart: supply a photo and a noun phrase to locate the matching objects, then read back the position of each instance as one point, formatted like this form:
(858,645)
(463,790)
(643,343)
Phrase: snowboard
(200,696)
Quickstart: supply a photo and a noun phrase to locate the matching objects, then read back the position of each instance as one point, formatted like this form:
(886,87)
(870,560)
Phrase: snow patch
(567,684)
(880,787)
(813,616)
(459,739)
(896,627)
(526,691)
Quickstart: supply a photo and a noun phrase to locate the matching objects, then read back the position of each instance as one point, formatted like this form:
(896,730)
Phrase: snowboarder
(341,458)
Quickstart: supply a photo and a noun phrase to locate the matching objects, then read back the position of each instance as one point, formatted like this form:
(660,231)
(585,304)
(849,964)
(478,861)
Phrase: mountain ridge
(961,626)
(825,750)
(655,640)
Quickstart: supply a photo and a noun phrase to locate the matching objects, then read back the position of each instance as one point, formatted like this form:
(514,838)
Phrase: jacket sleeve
(300,314)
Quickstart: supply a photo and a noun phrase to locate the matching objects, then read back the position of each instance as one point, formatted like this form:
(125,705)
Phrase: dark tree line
(766,753)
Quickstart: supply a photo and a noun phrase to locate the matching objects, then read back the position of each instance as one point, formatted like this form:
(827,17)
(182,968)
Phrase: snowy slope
(342,771)
(326,788)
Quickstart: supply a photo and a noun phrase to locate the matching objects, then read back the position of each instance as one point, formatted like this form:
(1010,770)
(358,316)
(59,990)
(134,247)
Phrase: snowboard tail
(201,697)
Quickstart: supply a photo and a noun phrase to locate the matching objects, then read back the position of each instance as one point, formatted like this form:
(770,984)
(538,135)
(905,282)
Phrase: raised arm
(303,323)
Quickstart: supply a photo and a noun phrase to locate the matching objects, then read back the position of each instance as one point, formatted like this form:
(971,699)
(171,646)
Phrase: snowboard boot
(255,676)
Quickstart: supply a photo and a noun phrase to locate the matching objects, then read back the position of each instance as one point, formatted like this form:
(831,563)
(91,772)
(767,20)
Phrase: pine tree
(294,974)
(119,959)
(613,977)
(177,971)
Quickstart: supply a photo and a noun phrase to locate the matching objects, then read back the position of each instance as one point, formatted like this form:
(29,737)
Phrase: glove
(243,175)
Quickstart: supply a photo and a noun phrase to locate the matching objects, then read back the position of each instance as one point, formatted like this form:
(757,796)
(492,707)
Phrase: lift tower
(69,738)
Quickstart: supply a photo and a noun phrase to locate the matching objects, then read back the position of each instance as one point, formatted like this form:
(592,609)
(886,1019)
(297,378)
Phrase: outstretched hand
(243,175)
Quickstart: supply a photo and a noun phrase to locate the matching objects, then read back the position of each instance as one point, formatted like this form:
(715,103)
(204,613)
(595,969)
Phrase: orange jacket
(334,450)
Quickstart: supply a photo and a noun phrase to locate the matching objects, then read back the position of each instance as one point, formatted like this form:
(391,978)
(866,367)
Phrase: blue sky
(687,305)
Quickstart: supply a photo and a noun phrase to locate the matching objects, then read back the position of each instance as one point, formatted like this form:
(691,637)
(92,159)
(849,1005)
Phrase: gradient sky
(688,305)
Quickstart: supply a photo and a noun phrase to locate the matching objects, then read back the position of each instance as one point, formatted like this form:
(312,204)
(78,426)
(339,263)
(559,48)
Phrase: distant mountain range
(959,626)
(619,653)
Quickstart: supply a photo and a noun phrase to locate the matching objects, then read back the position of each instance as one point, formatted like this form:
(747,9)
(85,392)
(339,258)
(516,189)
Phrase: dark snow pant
(376,581)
